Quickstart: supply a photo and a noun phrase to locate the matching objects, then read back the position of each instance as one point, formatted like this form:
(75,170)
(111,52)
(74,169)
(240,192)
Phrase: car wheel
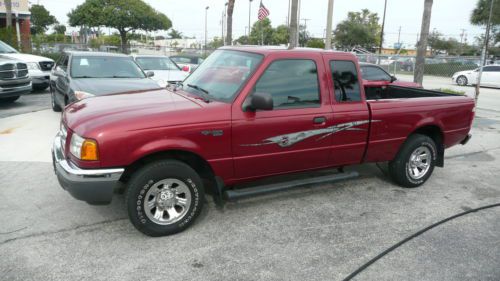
(462,80)
(415,161)
(164,197)
(9,99)
(55,106)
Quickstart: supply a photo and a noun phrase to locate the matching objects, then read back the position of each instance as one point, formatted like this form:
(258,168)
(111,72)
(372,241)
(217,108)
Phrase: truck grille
(13,71)
(46,65)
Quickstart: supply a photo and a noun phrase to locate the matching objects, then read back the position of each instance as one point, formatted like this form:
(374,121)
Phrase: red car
(249,113)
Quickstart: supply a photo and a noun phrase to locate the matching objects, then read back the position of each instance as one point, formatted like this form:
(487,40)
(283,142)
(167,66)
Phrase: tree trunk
(418,75)
(229,35)
(123,36)
(294,30)
(8,13)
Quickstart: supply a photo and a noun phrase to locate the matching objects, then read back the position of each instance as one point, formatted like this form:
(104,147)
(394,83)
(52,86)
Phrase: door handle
(319,120)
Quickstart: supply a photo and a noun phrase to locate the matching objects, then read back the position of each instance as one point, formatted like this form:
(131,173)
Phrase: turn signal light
(89,150)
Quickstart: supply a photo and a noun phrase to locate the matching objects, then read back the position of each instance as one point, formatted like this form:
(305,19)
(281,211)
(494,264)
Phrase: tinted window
(156,63)
(105,67)
(491,68)
(345,80)
(292,83)
(373,73)
(182,60)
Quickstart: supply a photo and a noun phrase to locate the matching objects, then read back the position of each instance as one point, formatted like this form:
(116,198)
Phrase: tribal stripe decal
(293,138)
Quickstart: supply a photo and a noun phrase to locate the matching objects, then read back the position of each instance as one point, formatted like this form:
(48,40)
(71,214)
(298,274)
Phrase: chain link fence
(444,66)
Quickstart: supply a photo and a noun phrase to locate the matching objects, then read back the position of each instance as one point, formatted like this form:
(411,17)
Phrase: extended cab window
(292,83)
(345,80)
(373,73)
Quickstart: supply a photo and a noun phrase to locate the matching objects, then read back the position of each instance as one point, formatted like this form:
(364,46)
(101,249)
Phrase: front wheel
(462,80)
(55,106)
(415,161)
(164,197)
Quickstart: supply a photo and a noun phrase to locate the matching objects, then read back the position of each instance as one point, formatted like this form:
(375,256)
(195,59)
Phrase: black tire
(152,175)
(462,80)
(9,99)
(55,106)
(40,87)
(399,168)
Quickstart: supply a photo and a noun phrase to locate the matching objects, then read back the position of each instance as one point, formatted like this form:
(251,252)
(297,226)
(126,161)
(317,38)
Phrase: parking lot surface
(319,233)
(28,103)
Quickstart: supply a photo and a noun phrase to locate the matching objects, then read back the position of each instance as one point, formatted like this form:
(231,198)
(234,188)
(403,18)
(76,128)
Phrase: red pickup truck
(249,113)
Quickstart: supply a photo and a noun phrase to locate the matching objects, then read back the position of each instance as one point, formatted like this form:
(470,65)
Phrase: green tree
(60,28)
(262,30)
(215,43)
(280,35)
(124,15)
(359,29)
(41,19)
(316,43)
(480,16)
(174,34)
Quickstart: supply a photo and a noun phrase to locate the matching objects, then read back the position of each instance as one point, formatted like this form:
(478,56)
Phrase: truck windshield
(222,74)
(105,67)
(6,49)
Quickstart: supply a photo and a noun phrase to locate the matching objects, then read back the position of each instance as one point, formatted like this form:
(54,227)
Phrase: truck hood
(106,86)
(26,57)
(140,110)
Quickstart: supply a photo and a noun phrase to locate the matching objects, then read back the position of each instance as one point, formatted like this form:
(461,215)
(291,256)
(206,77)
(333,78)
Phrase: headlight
(82,95)
(33,66)
(84,149)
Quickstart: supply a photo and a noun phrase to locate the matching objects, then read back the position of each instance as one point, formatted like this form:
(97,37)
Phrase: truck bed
(398,92)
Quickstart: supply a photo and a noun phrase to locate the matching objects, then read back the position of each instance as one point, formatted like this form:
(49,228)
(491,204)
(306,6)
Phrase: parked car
(249,113)
(406,63)
(79,75)
(166,71)
(14,80)
(374,75)
(38,67)
(489,78)
(187,62)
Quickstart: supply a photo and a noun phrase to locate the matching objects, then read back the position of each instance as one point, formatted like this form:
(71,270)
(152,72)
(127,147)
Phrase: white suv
(38,67)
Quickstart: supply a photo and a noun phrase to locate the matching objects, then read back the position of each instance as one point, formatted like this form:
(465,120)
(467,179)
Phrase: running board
(248,192)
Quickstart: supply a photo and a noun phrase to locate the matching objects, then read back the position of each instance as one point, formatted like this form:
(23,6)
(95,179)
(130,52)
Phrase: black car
(79,75)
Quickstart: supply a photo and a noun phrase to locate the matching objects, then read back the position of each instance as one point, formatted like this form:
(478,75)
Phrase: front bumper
(17,89)
(95,186)
(40,78)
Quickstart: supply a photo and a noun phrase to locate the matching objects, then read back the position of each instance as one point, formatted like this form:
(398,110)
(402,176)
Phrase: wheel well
(200,165)
(435,133)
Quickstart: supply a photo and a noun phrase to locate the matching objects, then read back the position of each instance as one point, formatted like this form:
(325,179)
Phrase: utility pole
(305,29)
(328,32)
(222,29)
(206,14)
(249,16)
(294,30)
(8,13)
(418,75)
(462,40)
(382,31)
(399,35)
(483,53)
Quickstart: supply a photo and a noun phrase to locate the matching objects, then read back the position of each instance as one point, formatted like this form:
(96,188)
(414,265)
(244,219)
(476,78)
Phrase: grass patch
(450,91)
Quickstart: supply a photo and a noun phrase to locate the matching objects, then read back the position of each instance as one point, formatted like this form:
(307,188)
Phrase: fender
(160,145)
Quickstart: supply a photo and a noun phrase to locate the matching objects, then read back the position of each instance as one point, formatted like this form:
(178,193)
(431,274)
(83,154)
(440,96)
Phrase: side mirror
(259,101)
(393,78)
(59,72)
(150,74)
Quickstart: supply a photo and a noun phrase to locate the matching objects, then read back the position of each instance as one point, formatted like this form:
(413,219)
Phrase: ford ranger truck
(249,113)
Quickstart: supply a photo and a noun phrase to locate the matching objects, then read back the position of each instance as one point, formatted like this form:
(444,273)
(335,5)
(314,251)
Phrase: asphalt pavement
(32,102)
(319,233)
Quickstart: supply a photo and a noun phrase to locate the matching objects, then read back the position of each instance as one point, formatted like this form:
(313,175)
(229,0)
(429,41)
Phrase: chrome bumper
(95,186)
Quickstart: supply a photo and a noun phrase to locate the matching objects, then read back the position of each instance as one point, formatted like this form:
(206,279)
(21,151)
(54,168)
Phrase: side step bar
(248,192)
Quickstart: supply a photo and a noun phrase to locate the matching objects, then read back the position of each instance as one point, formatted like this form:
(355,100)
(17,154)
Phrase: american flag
(263,11)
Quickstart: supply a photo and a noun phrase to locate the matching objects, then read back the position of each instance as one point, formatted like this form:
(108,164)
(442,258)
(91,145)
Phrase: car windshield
(222,74)
(105,67)
(6,49)
(156,63)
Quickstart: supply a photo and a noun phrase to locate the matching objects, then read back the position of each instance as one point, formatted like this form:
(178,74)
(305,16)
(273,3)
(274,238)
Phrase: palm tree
(418,75)
(229,35)
(294,34)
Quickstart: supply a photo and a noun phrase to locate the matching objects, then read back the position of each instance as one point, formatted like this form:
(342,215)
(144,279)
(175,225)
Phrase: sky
(188,16)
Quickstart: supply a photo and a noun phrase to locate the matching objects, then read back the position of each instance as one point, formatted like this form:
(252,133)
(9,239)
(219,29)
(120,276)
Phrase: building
(20,22)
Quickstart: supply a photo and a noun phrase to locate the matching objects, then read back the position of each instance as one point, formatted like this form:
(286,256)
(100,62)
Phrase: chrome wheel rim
(167,201)
(419,163)
(461,81)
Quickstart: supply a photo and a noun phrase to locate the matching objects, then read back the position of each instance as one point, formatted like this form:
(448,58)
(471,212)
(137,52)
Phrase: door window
(345,81)
(292,83)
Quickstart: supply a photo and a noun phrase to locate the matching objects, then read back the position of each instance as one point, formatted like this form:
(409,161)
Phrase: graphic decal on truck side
(293,138)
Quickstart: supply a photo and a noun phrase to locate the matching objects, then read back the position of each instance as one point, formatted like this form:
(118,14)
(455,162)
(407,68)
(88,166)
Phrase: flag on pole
(263,11)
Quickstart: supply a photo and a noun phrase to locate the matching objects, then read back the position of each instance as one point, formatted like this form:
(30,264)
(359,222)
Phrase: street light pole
(206,12)
(382,31)
(249,16)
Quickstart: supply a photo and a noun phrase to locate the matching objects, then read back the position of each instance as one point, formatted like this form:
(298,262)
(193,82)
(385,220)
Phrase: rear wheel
(55,106)
(462,80)
(9,99)
(164,197)
(415,161)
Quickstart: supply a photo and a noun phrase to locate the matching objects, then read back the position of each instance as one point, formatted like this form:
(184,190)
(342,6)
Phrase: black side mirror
(150,74)
(393,78)
(259,101)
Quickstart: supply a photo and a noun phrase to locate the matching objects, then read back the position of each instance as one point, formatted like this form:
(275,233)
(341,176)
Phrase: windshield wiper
(198,88)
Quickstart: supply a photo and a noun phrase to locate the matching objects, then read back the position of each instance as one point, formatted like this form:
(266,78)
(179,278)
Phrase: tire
(157,210)
(55,106)
(407,169)
(40,87)
(9,99)
(462,80)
